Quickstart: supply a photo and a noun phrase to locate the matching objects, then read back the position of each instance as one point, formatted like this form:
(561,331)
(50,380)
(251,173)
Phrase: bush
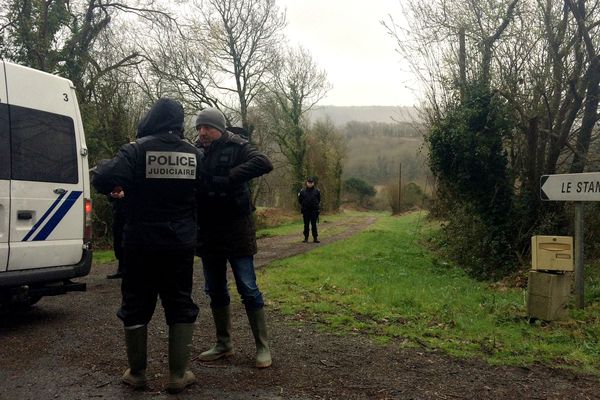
(359,190)
(469,241)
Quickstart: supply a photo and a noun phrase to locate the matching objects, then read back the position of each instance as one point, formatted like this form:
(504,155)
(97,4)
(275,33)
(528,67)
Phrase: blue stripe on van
(37,224)
(58,216)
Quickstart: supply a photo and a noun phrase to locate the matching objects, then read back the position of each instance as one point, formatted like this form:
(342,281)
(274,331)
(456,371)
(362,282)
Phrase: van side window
(4,143)
(43,146)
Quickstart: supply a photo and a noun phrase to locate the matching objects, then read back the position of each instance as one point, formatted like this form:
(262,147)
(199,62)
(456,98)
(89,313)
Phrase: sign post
(579,254)
(577,188)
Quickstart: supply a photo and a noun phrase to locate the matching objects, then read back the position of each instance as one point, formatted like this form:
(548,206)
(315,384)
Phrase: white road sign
(571,187)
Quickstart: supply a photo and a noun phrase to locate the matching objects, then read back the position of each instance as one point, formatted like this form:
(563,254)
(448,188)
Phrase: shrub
(359,190)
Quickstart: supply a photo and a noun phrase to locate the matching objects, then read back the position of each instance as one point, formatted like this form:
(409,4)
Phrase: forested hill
(378,138)
(342,115)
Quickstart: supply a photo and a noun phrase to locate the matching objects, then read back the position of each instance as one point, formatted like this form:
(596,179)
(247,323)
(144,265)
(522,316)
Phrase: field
(385,283)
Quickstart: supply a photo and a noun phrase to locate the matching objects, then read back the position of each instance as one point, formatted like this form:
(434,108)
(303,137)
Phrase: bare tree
(59,36)
(587,27)
(177,66)
(240,38)
(326,151)
(540,58)
(298,86)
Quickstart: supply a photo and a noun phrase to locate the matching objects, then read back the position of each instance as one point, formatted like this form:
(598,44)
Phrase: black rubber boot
(180,342)
(224,346)
(136,343)
(259,330)
(116,275)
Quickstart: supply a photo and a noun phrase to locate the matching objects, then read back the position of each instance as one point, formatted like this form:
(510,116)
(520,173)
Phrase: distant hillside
(378,138)
(341,115)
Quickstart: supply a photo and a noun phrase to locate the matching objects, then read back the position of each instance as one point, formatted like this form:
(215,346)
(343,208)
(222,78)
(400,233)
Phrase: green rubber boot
(259,330)
(136,343)
(180,341)
(223,347)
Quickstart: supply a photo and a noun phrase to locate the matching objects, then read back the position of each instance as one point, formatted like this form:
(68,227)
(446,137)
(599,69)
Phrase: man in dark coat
(310,205)
(158,174)
(226,230)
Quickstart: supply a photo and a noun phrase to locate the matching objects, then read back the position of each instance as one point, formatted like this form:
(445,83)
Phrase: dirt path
(71,347)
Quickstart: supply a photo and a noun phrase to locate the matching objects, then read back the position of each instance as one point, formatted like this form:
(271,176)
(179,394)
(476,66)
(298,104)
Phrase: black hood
(166,115)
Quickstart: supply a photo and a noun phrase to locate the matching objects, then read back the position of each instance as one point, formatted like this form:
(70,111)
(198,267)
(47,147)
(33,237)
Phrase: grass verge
(103,257)
(383,283)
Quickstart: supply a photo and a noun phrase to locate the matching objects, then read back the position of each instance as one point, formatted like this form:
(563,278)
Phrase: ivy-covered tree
(467,157)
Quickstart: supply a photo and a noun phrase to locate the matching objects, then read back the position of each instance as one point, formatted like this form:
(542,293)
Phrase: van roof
(37,71)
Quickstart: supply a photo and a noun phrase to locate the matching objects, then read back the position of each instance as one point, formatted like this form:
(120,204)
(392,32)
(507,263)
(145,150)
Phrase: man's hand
(117,192)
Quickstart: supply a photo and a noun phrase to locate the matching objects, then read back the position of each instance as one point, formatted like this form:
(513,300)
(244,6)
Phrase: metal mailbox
(552,253)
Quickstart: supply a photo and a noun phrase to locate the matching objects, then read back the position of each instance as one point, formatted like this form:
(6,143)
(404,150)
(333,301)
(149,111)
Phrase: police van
(45,204)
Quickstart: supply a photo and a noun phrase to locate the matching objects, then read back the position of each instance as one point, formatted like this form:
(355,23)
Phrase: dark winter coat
(310,200)
(159,175)
(225,221)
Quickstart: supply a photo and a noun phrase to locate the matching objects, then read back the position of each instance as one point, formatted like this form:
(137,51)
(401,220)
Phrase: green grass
(103,257)
(383,283)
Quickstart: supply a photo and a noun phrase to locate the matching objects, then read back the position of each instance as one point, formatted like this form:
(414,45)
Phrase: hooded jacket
(159,174)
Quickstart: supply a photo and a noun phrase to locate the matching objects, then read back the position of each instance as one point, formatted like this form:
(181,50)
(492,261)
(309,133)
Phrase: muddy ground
(71,347)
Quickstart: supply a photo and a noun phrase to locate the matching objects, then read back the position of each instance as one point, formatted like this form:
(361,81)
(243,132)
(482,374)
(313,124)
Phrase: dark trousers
(215,281)
(118,224)
(153,273)
(310,217)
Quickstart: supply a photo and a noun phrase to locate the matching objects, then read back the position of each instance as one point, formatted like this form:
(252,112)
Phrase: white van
(45,204)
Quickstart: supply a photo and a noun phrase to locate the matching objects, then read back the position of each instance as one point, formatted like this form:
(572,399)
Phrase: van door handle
(60,191)
(24,215)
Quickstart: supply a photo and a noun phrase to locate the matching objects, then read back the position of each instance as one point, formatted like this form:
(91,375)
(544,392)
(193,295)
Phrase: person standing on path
(158,172)
(226,230)
(310,206)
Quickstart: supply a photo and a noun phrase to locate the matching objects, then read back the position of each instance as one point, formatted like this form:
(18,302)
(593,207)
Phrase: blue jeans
(215,281)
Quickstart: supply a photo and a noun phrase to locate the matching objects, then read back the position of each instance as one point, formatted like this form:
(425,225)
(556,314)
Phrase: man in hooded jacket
(226,230)
(158,174)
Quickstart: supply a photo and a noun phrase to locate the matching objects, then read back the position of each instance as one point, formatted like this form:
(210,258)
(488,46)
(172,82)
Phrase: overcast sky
(346,38)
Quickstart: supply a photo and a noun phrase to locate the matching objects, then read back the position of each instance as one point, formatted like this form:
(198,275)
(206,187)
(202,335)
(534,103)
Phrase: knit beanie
(211,117)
